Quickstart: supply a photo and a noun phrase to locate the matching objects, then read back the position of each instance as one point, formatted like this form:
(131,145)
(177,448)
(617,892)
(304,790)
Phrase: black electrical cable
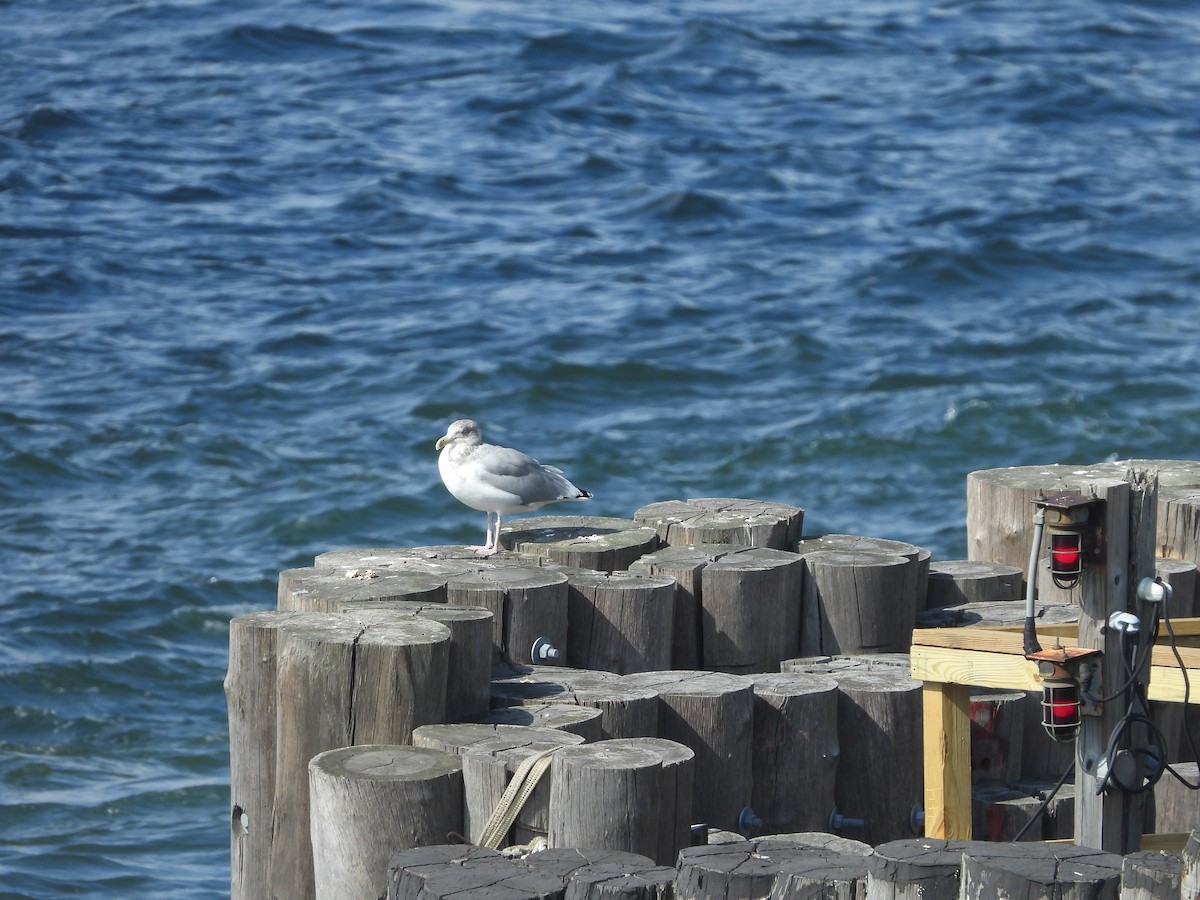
(1045,802)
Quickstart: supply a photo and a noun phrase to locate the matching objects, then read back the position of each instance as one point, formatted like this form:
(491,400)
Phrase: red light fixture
(1060,709)
(1066,557)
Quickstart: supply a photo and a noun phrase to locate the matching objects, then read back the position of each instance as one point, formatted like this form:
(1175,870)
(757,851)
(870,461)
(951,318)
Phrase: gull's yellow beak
(441,442)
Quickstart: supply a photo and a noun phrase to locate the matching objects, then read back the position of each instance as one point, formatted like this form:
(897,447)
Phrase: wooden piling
(372,800)
(879,775)
(684,565)
(917,869)
(1067,871)
(724,520)
(620,622)
(601,543)
(575,718)
(592,874)
(857,601)
(795,751)
(713,714)
(329,589)
(956,581)
(525,603)
(750,610)
(469,655)
(488,766)
(607,795)
(1152,875)
(250,695)
(339,683)
(459,737)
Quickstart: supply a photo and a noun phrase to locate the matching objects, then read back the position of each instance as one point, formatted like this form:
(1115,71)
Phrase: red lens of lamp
(1066,553)
(1060,709)
(1064,713)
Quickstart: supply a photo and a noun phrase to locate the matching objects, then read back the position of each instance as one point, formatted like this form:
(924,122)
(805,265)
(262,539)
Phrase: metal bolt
(543,649)
(837,821)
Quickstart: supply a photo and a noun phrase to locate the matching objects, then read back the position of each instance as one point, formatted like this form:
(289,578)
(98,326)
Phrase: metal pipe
(1035,554)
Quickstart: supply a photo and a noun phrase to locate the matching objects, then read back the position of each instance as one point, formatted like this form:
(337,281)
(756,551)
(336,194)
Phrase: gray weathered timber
(482,878)
(328,589)
(916,869)
(423,861)
(879,775)
(601,543)
(721,871)
(836,664)
(1000,812)
(812,840)
(1067,871)
(1190,880)
(684,564)
(677,789)
(368,802)
(469,664)
(856,601)
(250,696)
(1000,505)
(712,713)
(1151,875)
(459,737)
(1058,821)
(524,685)
(488,766)
(563,862)
(590,874)
(617,882)
(724,520)
(620,622)
(919,557)
(750,610)
(1111,821)
(339,683)
(955,581)
(526,603)
(795,750)
(575,718)
(1176,809)
(1181,575)
(625,710)
(996,614)
(433,559)
(842,876)
(753,869)
(1000,510)
(608,797)
(736,608)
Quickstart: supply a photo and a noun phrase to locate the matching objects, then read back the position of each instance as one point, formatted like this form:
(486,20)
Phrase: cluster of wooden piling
(698,670)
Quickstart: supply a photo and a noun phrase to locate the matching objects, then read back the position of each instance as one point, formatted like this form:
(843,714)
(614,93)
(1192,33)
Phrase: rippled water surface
(254,258)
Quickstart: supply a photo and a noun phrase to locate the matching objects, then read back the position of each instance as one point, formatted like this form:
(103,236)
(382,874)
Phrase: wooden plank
(1005,670)
(947,760)
(974,667)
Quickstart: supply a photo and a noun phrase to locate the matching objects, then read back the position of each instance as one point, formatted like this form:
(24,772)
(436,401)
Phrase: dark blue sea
(255,257)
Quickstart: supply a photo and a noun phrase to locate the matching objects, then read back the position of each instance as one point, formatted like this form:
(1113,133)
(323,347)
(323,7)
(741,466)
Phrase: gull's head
(462,429)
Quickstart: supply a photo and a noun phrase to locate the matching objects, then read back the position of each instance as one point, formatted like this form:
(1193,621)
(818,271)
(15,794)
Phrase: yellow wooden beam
(988,657)
(947,760)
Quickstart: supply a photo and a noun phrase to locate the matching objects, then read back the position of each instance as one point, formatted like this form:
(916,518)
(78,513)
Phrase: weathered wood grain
(368,802)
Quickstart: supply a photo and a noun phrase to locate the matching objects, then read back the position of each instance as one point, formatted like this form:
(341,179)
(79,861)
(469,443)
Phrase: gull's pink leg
(491,537)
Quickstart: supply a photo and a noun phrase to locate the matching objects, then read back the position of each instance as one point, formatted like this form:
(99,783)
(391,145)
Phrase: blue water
(252,261)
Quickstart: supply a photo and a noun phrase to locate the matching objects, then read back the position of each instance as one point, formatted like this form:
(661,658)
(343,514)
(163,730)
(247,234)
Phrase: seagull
(497,480)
